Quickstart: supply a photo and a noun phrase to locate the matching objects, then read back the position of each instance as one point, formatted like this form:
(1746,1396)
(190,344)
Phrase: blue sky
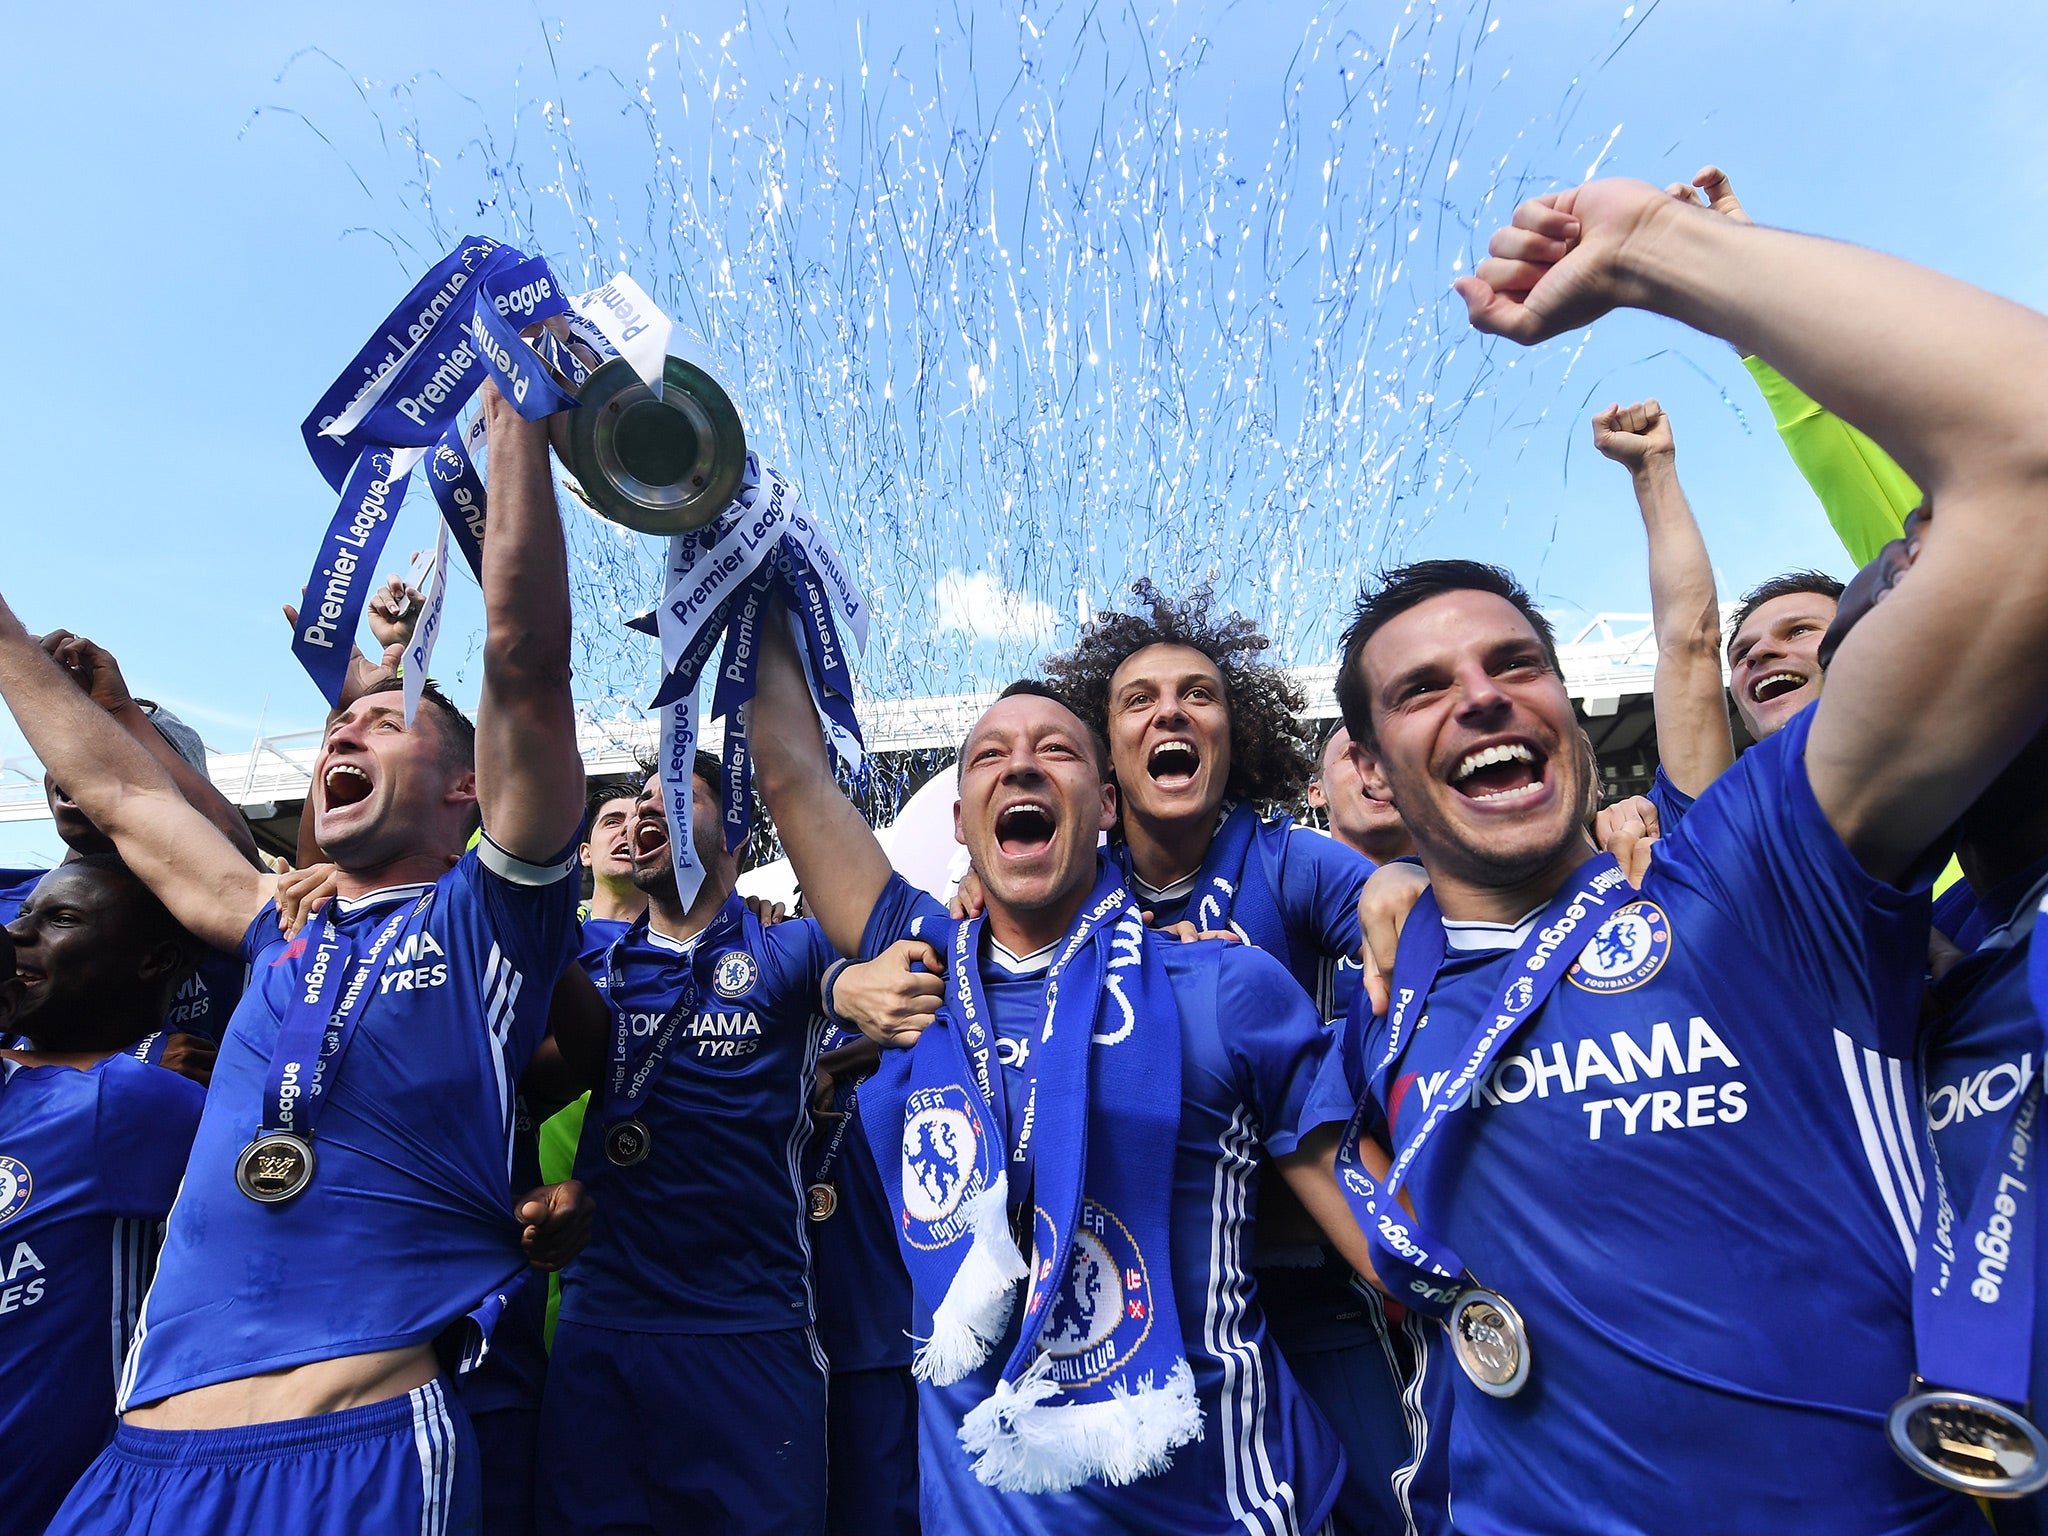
(1111,337)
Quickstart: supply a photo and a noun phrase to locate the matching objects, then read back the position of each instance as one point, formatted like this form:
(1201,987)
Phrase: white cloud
(981,606)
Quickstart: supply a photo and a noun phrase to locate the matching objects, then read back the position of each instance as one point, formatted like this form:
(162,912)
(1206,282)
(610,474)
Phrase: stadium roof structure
(1609,662)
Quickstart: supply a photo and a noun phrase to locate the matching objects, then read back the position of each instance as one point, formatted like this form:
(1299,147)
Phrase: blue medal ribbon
(314,1035)
(1419,1270)
(459,490)
(508,300)
(634,1072)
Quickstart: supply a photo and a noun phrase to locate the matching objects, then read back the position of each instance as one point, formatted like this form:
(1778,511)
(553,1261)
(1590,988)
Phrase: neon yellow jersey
(559,1134)
(1865,495)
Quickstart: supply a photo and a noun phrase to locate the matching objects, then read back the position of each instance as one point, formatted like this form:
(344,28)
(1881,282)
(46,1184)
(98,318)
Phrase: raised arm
(1932,695)
(181,856)
(529,777)
(840,866)
(94,669)
(1691,707)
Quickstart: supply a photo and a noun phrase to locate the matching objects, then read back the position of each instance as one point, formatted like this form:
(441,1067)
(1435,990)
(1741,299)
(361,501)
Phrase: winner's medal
(1975,1445)
(274,1168)
(820,1201)
(1490,1342)
(627,1143)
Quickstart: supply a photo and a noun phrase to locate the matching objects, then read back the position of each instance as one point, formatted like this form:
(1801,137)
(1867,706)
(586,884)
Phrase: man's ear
(1107,820)
(1316,797)
(1368,765)
(10,1000)
(959,833)
(463,789)
(162,959)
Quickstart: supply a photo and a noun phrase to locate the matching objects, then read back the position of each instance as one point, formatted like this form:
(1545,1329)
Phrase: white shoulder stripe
(1882,1169)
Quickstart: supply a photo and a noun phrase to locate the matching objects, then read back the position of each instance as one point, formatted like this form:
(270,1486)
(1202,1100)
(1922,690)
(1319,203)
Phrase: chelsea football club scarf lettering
(723,583)
(1419,1270)
(1097,1386)
(401,398)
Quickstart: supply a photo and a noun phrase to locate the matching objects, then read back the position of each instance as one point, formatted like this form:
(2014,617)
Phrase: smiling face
(1032,804)
(383,792)
(1477,740)
(1169,735)
(84,957)
(647,835)
(608,851)
(1358,818)
(1774,660)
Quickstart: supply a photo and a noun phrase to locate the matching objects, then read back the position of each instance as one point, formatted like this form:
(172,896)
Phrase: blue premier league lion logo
(1625,951)
(1103,1309)
(735,975)
(943,1165)
(16,1185)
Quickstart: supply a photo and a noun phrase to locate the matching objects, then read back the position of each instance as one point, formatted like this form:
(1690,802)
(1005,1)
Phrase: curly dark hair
(1272,754)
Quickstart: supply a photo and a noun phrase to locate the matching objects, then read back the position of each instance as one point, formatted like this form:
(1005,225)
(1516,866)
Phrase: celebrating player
(1626,1125)
(687,1389)
(92,1145)
(285,1372)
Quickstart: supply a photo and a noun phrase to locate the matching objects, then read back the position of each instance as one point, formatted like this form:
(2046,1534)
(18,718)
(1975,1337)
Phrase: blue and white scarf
(1097,1387)
(1233,889)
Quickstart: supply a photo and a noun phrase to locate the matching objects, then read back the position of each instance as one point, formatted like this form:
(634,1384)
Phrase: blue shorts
(871,1487)
(508,1452)
(1390,1406)
(705,1433)
(403,1467)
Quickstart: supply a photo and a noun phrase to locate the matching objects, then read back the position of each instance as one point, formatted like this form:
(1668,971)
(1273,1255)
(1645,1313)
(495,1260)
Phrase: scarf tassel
(976,1309)
(1023,1442)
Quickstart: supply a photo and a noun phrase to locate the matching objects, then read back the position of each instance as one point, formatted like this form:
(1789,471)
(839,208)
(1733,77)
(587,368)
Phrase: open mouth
(650,840)
(345,784)
(1499,774)
(1173,764)
(1025,828)
(1775,685)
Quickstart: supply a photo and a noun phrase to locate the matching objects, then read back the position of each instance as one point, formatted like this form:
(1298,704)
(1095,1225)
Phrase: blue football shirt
(1980,1057)
(1693,1171)
(708,1235)
(89,1164)
(407,1224)
(863,1289)
(1250,1046)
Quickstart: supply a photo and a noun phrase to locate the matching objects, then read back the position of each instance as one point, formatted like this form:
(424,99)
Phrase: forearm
(529,775)
(1940,374)
(129,796)
(1693,738)
(838,862)
(198,790)
(1311,1173)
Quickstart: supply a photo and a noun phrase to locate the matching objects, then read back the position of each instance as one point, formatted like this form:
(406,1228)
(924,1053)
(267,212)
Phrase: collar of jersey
(1485,936)
(673,946)
(1021,965)
(1185,886)
(348,905)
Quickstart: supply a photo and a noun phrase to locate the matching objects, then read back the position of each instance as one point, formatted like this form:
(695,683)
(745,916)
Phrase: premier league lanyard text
(1419,1270)
(977,1028)
(634,1072)
(318,1029)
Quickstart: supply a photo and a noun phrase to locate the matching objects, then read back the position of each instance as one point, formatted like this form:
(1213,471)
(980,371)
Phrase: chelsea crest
(16,1185)
(736,974)
(1625,951)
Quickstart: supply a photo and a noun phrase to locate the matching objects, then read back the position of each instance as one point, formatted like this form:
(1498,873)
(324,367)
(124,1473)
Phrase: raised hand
(1564,260)
(90,666)
(1713,188)
(1632,435)
(394,611)
(894,997)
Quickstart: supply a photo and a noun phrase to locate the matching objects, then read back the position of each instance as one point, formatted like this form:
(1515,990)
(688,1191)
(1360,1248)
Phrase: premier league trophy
(662,464)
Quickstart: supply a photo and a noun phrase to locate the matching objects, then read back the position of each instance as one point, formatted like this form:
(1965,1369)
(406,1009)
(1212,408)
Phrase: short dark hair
(1269,747)
(1410,586)
(707,766)
(1038,688)
(1817,582)
(598,793)
(458,731)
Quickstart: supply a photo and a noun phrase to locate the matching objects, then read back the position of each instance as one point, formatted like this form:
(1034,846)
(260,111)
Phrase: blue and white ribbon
(720,584)
(400,402)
